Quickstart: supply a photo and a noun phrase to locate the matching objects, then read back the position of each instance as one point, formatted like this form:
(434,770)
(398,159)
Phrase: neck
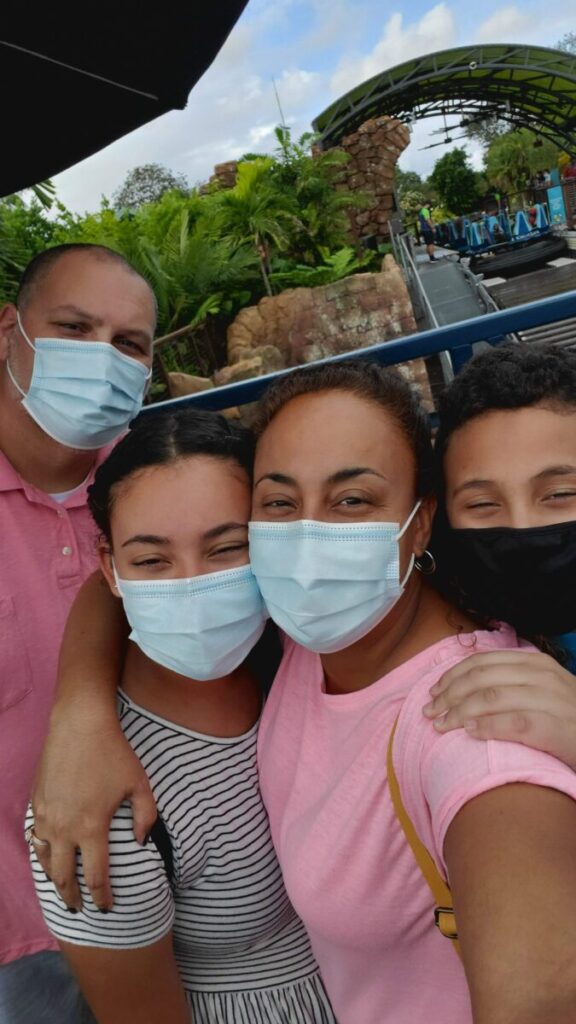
(419,619)
(223,707)
(41,461)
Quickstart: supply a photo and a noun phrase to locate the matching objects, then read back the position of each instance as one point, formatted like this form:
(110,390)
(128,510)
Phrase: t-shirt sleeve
(143,910)
(439,773)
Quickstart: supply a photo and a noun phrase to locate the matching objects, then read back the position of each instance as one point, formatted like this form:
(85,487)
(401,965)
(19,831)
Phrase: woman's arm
(511,858)
(510,695)
(130,986)
(88,768)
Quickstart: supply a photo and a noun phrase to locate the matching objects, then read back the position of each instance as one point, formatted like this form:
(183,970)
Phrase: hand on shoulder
(523,696)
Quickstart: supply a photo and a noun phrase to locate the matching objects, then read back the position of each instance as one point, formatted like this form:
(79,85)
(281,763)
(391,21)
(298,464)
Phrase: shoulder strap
(444,910)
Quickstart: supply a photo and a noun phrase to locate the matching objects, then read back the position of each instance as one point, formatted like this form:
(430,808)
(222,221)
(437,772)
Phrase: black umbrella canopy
(74,82)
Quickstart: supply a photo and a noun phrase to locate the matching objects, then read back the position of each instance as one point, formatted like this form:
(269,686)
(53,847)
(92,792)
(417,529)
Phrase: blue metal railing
(454,338)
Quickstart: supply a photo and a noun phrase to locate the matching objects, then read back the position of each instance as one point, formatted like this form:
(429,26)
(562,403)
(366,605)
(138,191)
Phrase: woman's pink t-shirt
(348,869)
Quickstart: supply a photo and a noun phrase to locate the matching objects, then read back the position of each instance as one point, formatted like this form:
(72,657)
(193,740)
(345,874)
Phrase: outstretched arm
(88,768)
(511,858)
(510,695)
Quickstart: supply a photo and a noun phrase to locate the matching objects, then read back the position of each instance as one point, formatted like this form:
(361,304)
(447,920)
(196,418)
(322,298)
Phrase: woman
(506,456)
(202,928)
(340,528)
(328,527)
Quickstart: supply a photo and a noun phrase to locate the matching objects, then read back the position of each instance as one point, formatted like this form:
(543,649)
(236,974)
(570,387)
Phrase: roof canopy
(529,86)
(74,81)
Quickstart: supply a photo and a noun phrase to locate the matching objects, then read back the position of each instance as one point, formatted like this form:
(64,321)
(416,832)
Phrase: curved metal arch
(529,86)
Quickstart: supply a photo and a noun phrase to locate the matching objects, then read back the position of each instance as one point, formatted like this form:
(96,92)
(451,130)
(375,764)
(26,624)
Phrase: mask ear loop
(28,342)
(116,577)
(399,536)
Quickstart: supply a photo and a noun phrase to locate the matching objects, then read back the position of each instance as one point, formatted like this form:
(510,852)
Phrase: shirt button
(66,550)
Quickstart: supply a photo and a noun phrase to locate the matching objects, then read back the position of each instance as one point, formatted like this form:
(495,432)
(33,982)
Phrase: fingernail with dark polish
(104,910)
(71,910)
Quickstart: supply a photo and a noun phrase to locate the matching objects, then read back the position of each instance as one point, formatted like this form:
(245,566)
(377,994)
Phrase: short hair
(512,376)
(43,262)
(162,438)
(383,386)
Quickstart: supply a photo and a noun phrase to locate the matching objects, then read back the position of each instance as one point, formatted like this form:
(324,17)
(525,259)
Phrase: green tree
(513,158)
(567,43)
(455,182)
(24,231)
(314,179)
(256,211)
(406,181)
(147,184)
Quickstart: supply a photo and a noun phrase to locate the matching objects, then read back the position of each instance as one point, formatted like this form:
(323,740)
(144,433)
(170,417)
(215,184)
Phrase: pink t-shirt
(46,552)
(349,872)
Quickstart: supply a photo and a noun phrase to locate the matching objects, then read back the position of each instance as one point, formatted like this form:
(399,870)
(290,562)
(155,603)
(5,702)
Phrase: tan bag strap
(444,910)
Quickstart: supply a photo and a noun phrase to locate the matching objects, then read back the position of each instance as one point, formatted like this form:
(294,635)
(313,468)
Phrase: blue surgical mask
(328,584)
(82,393)
(203,627)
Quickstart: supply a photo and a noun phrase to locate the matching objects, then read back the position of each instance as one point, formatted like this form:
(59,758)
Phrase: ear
(105,559)
(423,524)
(8,322)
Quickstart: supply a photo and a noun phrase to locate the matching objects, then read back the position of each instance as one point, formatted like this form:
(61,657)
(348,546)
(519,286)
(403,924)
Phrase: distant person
(426,228)
(570,170)
(75,358)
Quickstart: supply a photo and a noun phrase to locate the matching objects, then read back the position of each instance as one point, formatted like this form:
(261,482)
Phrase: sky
(314,51)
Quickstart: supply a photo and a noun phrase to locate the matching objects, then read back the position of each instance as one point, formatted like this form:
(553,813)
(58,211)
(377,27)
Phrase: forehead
(190,495)
(101,287)
(511,445)
(329,429)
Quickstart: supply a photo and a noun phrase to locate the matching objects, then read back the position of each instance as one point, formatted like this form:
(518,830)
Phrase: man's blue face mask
(83,394)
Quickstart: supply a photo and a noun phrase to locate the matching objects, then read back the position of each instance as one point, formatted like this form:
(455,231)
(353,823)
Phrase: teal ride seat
(521,225)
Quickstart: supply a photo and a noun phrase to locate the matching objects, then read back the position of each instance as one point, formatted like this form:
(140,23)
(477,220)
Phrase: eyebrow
(219,531)
(550,471)
(145,538)
(341,476)
(564,470)
(82,314)
(152,538)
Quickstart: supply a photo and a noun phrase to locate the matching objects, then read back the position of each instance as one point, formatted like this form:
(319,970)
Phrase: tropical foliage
(207,252)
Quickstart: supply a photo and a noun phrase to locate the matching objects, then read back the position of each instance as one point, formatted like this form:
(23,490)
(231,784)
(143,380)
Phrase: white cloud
(436,30)
(507,25)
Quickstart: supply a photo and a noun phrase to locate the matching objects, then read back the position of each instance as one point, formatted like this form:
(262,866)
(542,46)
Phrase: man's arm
(88,768)
(511,857)
(130,986)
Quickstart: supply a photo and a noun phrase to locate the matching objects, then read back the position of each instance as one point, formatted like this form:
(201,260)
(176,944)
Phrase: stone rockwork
(304,324)
(374,151)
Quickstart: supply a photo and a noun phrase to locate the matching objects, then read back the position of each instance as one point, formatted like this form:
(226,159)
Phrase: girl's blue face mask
(328,584)
(202,627)
(83,394)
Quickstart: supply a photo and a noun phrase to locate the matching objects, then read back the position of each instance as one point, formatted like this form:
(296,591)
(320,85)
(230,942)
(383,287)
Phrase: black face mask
(524,577)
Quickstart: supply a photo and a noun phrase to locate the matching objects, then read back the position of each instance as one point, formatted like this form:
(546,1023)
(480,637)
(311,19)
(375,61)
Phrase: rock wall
(304,324)
(374,151)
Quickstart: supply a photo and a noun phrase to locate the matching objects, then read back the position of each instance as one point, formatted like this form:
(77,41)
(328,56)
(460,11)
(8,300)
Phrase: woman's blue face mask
(328,584)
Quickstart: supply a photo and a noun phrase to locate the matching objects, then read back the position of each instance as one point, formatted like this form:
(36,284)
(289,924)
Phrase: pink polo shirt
(46,551)
(348,869)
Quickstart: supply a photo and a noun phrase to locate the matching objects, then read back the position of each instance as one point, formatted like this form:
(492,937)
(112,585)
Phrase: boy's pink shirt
(47,550)
(348,869)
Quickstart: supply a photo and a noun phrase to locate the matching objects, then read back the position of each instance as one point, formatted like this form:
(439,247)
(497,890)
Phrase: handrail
(456,338)
(408,265)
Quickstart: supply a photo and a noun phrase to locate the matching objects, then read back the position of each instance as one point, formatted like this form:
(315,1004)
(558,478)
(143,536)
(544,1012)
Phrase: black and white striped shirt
(242,953)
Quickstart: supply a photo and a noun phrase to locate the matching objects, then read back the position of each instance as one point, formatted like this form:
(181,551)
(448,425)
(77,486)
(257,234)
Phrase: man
(75,358)
(426,228)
